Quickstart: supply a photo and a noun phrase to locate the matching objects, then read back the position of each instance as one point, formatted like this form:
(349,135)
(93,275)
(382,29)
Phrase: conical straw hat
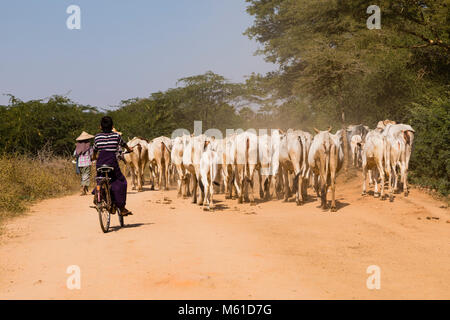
(84,136)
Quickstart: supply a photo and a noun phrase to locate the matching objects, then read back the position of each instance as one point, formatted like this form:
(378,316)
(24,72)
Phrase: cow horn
(329,129)
(316,130)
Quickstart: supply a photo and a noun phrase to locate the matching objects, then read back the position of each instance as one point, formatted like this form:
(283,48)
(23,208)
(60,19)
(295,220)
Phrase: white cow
(191,160)
(395,150)
(356,147)
(209,172)
(136,161)
(403,134)
(245,151)
(227,153)
(178,146)
(325,160)
(306,172)
(373,158)
(292,159)
(266,167)
(277,172)
(159,154)
(351,131)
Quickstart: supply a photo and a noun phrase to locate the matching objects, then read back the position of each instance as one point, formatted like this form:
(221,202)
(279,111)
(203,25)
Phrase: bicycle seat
(105,168)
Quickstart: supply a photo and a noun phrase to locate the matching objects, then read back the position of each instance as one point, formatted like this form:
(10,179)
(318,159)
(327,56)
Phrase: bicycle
(103,200)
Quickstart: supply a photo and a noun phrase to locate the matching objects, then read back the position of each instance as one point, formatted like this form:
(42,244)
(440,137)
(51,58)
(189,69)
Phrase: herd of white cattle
(286,163)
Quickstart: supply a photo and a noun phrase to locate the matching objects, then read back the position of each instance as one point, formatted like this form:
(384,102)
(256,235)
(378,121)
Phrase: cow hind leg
(286,185)
(261,184)
(316,185)
(364,181)
(381,171)
(211,196)
(201,198)
(298,185)
(139,179)
(305,189)
(323,197)
(371,183)
(187,185)
(167,171)
(133,177)
(333,186)
(323,193)
(226,183)
(204,184)
(375,192)
(333,195)
(267,184)
(194,189)
(180,186)
(251,184)
(405,180)
(238,182)
(299,195)
(163,175)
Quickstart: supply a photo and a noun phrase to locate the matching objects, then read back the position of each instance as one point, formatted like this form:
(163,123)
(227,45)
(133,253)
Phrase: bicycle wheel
(104,218)
(103,208)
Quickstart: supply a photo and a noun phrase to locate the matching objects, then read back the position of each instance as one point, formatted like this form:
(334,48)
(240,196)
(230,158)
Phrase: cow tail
(387,156)
(327,165)
(302,147)
(211,172)
(139,147)
(163,148)
(305,157)
(407,137)
(247,168)
(297,176)
(200,184)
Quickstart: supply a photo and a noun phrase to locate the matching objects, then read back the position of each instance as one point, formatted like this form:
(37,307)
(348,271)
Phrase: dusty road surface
(171,249)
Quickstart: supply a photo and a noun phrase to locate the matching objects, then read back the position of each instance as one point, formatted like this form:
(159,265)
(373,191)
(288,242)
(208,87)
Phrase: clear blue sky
(124,49)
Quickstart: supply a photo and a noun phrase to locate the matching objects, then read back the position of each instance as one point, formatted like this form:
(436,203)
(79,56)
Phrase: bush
(26,179)
(430,162)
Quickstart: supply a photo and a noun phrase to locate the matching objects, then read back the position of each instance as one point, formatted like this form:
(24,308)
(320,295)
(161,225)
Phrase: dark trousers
(118,180)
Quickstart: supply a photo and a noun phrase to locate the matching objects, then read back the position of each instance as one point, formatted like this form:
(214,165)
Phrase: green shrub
(430,161)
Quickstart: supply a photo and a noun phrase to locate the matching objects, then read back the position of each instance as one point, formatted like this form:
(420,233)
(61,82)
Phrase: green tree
(26,127)
(331,64)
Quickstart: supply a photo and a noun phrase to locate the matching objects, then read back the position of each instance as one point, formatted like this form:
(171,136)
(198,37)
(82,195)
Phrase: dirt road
(171,249)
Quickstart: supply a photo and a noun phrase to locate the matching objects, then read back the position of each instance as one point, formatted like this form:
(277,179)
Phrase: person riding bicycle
(106,145)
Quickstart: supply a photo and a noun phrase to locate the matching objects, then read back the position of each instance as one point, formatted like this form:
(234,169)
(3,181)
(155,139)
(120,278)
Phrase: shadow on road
(220,206)
(128,226)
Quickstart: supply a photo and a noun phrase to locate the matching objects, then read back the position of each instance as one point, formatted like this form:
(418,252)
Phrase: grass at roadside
(25,179)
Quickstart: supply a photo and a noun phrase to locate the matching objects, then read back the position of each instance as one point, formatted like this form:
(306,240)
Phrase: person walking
(83,153)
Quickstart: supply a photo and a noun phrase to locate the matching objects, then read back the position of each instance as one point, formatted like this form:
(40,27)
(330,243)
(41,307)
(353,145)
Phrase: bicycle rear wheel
(103,207)
(105,219)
